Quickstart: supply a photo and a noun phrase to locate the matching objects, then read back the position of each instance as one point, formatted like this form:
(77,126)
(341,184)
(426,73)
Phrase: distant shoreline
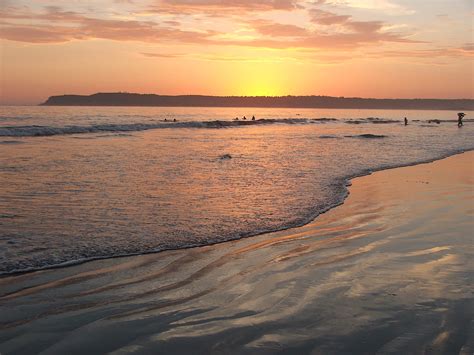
(327,102)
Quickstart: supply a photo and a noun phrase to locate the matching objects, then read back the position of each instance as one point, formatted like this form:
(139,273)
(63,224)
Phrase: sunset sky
(365,48)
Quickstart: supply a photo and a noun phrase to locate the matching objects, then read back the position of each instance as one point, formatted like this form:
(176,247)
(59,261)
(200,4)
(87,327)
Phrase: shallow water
(388,272)
(71,197)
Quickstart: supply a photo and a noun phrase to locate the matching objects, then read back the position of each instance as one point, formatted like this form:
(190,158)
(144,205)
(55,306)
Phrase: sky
(352,48)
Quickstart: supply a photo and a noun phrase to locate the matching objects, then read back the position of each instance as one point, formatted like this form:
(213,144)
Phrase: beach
(236,177)
(388,271)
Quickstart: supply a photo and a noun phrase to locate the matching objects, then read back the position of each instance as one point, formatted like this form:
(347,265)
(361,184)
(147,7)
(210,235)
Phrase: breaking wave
(368,136)
(44,131)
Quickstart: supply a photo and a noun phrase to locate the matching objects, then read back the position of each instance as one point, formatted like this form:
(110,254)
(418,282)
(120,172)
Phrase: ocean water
(79,183)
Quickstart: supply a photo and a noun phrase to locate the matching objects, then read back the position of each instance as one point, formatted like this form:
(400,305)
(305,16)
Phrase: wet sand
(389,271)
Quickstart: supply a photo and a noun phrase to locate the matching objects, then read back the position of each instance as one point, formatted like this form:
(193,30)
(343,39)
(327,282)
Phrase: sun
(260,81)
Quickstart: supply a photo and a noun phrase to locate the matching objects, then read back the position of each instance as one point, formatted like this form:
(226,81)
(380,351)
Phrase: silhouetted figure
(236,119)
(244,118)
(253,118)
(174,120)
(406,122)
(460,117)
(166,120)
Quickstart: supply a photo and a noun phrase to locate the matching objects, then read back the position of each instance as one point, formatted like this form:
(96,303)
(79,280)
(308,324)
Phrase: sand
(389,271)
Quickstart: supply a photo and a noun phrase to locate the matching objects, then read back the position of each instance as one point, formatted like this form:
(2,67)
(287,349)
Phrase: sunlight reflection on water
(68,198)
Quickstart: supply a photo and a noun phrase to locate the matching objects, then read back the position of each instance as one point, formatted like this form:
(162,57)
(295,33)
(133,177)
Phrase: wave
(45,131)
(11,142)
(328,136)
(374,120)
(368,136)
(9,216)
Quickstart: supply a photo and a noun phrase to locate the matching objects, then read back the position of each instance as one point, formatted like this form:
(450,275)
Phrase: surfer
(460,117)
(406,121)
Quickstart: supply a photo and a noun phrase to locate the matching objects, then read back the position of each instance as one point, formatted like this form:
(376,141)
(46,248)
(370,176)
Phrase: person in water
(253,118)
(244,118)
(406,121)
(460,117)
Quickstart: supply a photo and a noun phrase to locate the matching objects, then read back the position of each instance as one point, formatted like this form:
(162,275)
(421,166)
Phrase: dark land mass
(128,99)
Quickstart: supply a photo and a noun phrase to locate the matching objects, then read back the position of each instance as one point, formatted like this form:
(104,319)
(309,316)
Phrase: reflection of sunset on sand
(386,271)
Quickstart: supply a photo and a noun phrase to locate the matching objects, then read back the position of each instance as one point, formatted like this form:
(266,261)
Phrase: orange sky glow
(364,48)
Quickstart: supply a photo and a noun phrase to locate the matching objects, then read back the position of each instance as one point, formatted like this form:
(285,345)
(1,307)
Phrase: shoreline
(389,271)
(347,182)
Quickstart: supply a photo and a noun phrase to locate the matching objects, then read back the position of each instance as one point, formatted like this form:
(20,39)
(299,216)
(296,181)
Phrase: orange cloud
(221,8)
(465,51)
(273,29)
(327,18)
(468,47)
(74,26)
(245,4)
(35,34)
(63,26)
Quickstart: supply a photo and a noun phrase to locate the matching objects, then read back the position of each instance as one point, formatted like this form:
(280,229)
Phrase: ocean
(82,183)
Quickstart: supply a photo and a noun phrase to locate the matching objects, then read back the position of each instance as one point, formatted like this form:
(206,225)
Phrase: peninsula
(133,99)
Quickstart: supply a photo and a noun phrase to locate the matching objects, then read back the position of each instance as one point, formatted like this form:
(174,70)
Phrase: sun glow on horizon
(261,80)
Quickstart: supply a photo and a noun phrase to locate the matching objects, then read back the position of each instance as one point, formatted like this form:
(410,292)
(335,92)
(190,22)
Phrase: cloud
(365,26)
(163,55)
(68,26)
(346,34)
(466,51)
(43,34)
(328,57)
(221,58)
(327,18)
(356,32)
(222,7)
(54,25)
(385,6)
(273,29)
(321,41)
(172,23)
(262,5)
(468,47)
